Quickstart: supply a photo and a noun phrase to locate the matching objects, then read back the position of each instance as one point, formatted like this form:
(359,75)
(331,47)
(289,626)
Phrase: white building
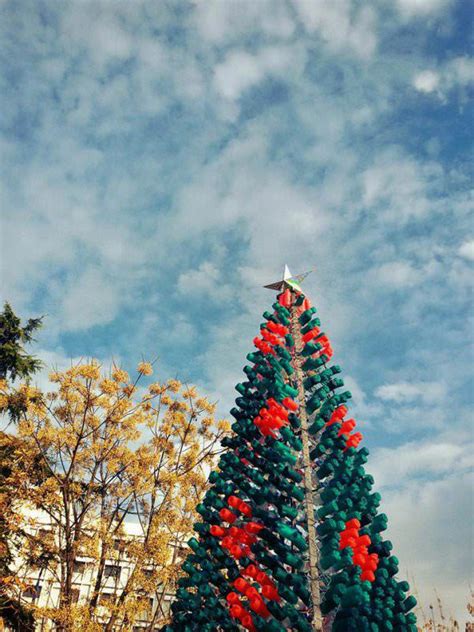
(44,587)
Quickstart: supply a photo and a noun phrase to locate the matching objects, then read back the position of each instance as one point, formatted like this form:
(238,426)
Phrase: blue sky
(163,161)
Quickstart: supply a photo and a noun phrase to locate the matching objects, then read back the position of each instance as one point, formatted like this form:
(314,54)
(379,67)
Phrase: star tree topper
(288,280)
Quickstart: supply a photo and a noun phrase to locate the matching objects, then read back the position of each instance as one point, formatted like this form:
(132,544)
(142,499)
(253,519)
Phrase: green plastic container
(307,315)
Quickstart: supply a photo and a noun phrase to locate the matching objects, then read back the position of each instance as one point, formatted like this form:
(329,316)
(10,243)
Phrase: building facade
(42,586)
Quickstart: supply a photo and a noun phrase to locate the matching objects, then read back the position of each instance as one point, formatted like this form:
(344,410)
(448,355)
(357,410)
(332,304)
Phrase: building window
(105,599)
(146,609)
(112,570)
(75,594)
(43,533)
(119,544)
(79,567)
(164,606)
(32,592)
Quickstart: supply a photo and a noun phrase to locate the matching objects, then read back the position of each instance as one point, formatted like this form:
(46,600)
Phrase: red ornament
(259,607)
(236,551)
(241,584)
(364,540)
(217,531)
(285,298)
(337,415)
(233,598)
(367,576)
(251,571)
(248,623)
(347,427)
(312,333)
(227,515)
(291,404)
(227,542)
(233,501)
(270,593)
(359,544)
(237,612)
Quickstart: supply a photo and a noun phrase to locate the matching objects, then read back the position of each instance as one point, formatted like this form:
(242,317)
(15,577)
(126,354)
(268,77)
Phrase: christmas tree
(290,536)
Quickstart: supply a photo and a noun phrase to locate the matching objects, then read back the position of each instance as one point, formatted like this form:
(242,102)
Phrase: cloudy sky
(161,161)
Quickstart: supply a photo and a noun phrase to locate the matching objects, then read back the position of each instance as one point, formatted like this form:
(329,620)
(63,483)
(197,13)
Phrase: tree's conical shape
(258,562)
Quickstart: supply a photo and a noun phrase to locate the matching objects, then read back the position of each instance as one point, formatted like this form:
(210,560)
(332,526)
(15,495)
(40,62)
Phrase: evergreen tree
(259,562)
(14,361)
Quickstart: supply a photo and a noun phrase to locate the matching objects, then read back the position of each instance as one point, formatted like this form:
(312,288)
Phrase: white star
(288,280)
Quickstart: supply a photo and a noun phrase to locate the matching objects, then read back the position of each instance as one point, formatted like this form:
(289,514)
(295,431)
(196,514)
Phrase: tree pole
(317,621)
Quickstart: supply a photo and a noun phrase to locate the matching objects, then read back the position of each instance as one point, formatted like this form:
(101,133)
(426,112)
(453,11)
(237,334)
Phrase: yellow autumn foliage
(98,451)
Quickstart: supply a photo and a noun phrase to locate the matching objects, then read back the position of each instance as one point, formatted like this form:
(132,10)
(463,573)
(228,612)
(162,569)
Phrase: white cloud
(394,467)
(426,81)
(427,494)
(205,282)
(182,330)
(398,186)
(404,420)
(460,71)
(403,392)
(91,299)
(455,73)
(237,73)
(414,8)
(466,250)
(359,406)
(342,26)
(398,274)
(99,32)
(241,194)
(220,22)
(431,529)
(241,70)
